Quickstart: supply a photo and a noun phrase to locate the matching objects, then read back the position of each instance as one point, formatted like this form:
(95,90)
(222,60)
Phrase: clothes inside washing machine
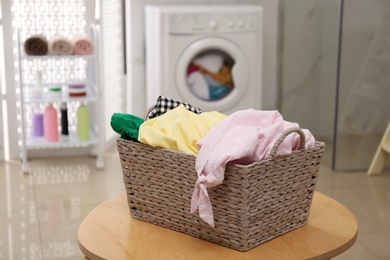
(209,75)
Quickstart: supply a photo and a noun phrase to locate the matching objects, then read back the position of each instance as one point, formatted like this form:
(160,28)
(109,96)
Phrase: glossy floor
(40,213)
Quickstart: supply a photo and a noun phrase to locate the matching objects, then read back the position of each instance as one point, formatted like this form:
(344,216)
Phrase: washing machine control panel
(212,23)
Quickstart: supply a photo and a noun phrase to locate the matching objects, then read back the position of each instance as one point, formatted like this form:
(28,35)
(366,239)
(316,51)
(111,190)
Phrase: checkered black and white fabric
(164,104)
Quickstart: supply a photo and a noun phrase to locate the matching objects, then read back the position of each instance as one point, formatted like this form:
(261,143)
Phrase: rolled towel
(59,45)
(82,45)
(36,45)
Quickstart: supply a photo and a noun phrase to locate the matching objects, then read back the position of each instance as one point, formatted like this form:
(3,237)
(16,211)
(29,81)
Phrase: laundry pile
(244,137)
(209,77)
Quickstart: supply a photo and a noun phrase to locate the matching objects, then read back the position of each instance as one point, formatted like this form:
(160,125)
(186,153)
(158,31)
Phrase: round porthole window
(212,73)
(209,75)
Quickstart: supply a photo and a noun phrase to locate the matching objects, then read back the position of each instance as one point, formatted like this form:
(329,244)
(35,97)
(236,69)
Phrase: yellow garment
(178,129)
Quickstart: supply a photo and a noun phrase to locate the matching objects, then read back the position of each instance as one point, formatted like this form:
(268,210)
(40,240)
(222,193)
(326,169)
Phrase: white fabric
(210,62)
(199,85)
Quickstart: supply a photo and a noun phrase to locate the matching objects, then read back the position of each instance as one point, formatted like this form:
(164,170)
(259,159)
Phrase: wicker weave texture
(256,202)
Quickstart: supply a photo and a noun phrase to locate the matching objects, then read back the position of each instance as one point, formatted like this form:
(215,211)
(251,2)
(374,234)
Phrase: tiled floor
(40,213)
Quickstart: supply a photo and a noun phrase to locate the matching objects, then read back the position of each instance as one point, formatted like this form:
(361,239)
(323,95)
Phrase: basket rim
(317,144)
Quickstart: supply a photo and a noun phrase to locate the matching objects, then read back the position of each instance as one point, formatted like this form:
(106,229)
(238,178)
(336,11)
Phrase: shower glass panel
(309,61)
(363,105)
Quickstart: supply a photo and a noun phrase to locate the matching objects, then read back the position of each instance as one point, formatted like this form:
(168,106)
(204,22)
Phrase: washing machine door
(210,90)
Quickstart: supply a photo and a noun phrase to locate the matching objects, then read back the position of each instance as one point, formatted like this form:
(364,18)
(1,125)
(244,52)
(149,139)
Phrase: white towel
(198,85)
(210,62)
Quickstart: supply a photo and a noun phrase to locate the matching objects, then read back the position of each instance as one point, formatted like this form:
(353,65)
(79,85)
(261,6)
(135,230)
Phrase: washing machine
(206,55)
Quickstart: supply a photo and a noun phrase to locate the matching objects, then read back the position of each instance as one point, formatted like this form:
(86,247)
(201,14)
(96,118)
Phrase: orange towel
(224,76)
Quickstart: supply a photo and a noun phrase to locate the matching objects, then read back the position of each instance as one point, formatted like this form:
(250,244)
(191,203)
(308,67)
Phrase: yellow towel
(178,129)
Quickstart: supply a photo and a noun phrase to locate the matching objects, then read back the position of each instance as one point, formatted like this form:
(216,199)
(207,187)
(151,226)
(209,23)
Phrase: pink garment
(244,137)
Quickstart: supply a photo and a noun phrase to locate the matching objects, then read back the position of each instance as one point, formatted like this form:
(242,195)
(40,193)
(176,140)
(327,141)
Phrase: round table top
(109,232)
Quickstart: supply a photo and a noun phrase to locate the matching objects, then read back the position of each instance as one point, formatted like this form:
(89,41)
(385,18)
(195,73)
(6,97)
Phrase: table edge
(327,255)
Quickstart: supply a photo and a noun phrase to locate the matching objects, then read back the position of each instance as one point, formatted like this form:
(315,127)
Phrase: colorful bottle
(64,119)
(37,123)
(38,79)
(36,91)
(82,122)
(50,124)
(55,92)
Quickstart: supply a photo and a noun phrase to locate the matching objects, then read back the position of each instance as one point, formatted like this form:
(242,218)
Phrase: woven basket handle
(285,133)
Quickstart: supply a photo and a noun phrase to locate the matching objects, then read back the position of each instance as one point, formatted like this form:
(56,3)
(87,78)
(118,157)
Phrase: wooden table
(108,232)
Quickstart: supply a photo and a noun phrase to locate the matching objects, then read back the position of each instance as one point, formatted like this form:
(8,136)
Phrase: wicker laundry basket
(255,203)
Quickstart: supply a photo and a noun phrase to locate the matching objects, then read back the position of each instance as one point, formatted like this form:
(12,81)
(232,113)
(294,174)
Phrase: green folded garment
(126,125)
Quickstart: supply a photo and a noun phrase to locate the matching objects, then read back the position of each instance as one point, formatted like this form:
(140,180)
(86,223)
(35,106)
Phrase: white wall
(309,62)
(136,50)
(1,119)
(8,80)
(1,91)
(112,77)
(365,65)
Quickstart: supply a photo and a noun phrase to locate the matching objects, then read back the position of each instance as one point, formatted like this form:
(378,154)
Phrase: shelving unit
(90,65)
